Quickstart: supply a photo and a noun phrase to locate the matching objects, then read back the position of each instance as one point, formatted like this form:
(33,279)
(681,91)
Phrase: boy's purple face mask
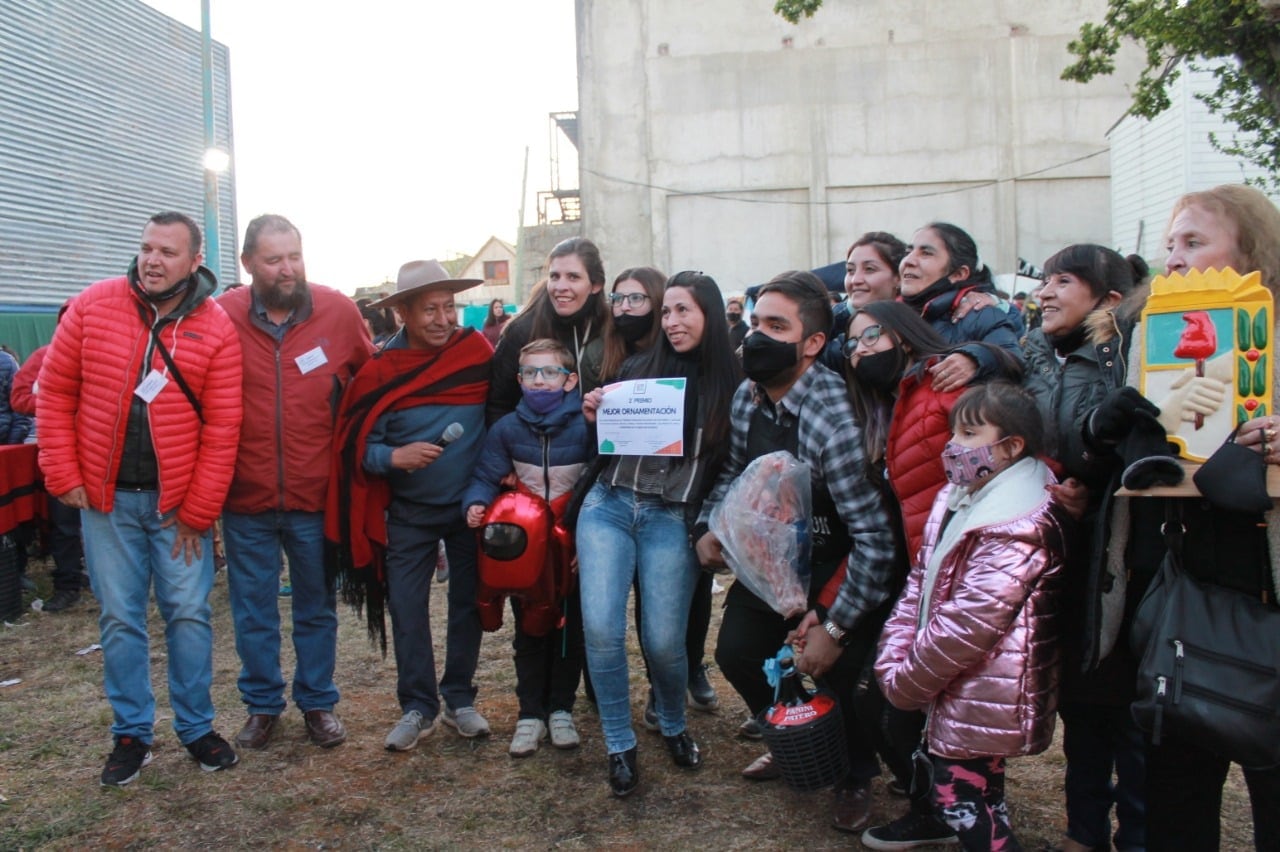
(543,400)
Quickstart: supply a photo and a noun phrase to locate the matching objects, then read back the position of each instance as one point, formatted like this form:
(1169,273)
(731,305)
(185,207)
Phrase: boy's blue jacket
(547,451)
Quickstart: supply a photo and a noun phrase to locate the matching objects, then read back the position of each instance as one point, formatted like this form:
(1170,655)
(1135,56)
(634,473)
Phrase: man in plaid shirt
(790,402)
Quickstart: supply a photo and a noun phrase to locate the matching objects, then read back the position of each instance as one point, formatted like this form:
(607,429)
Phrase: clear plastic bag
(763,527)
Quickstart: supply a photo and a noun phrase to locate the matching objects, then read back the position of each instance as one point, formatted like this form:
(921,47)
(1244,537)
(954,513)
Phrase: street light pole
(212,243)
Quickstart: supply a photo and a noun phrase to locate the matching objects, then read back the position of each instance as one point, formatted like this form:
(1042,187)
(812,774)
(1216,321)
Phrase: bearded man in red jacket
(139,411)
(302,343)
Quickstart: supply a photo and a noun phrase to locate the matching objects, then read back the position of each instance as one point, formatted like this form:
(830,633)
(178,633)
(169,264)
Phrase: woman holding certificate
(637,302)
(635,520)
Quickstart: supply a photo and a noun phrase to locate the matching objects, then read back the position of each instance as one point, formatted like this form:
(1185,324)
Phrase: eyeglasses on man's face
(635,300)
(549,375)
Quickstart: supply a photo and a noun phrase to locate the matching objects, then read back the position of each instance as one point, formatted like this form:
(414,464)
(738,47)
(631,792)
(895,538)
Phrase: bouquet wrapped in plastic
(763,527)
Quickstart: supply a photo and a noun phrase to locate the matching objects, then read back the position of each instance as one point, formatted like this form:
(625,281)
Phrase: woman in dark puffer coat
(1078,356)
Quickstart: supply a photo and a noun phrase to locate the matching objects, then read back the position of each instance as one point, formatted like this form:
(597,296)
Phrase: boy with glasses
(546,444)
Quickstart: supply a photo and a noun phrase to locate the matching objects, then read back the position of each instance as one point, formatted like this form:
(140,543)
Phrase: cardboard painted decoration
(1207,355)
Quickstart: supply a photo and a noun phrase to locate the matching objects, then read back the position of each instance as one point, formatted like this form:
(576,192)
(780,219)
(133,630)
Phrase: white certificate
(643,417)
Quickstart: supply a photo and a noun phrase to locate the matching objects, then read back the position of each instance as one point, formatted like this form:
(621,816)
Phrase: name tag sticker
(151,386)
(308,361)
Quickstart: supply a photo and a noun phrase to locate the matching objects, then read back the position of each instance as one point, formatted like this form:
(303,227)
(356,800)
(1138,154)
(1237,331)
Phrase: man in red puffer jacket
(139,411)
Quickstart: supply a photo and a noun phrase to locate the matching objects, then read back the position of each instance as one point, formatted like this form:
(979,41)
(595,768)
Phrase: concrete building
(100,127)
(1156,161)
(717,136)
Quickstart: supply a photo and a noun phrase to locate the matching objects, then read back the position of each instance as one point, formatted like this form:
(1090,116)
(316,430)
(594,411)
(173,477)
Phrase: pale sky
(392,130)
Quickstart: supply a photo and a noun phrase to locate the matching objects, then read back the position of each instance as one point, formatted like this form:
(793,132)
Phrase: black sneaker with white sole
(126,761)
(212,752)
(909,831)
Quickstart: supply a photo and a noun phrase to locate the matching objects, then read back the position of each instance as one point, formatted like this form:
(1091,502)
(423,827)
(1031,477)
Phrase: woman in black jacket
(1077,356)
(571,308)
(1237,227)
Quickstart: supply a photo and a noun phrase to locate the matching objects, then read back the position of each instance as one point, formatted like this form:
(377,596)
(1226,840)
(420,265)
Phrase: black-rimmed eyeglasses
(869,336)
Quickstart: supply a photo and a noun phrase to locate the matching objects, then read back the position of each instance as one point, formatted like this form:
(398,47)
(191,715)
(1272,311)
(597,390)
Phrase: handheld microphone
(451,433)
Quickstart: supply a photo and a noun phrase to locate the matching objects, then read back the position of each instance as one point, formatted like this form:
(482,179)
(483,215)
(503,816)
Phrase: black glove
(1114,417)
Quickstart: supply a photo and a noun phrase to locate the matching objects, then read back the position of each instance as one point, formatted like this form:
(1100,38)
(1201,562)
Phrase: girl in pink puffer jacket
(973,640)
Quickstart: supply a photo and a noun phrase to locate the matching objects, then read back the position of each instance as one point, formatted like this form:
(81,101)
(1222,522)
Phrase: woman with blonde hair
(1236,227)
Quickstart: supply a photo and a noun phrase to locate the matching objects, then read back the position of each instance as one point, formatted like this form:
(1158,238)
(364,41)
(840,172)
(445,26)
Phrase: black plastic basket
(10,579)
(807,741)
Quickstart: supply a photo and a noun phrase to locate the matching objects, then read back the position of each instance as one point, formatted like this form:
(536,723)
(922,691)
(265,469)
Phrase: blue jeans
(619,534)
(253,544)
(126,550)
(411,569)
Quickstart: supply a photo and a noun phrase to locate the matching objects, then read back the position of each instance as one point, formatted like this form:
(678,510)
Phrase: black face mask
(176,290)
(1069,341)
(764,358)
(928,294)
(879,370)
(631,327)
(157,298)
(734,318)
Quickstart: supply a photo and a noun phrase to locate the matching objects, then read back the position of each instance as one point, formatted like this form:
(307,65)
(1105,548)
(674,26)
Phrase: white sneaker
(563,733)
(408,731)
(529,732)
(467,721)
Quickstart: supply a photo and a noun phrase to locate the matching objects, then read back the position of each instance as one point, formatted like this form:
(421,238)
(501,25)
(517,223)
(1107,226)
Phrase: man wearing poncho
(397,489)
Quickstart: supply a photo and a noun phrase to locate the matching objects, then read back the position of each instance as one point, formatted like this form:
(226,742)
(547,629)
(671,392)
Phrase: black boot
(623,773)
(684,751)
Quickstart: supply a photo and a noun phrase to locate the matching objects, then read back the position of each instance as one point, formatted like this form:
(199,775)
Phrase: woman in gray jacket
(1076,357)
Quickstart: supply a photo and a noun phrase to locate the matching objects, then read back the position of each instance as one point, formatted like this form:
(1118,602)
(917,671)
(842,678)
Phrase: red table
(21,488)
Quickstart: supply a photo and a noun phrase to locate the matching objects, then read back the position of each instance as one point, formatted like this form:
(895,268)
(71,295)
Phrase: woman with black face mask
(890,353)
(635,300)
(1075,359)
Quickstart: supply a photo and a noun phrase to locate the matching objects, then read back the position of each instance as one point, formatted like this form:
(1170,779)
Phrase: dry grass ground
(448,793)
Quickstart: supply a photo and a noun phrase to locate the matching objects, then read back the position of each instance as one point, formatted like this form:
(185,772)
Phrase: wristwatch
(836,632)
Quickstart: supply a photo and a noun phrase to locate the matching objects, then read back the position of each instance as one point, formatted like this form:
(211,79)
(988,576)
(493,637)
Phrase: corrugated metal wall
(1155,161)
(100,127)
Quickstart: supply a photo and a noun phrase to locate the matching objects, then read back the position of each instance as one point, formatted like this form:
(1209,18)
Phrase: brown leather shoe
(325,729)
(257,731)
(763,768)
(851,809)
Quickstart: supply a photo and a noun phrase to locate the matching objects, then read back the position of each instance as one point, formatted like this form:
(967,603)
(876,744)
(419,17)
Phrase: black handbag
(1234,478)
(1210,665)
